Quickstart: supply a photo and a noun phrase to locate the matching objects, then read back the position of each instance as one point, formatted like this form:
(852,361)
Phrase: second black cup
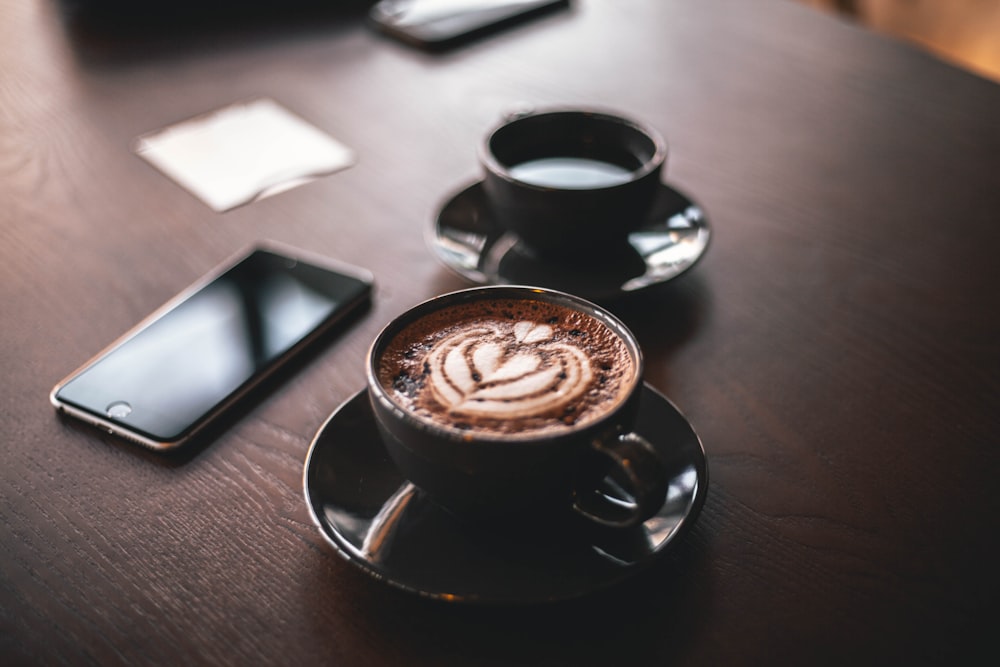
(571,180)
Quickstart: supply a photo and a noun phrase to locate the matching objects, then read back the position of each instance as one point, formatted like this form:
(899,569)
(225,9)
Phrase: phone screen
(170,374)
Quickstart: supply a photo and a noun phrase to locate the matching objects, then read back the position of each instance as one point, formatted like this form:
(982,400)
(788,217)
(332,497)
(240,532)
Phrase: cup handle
(637,479)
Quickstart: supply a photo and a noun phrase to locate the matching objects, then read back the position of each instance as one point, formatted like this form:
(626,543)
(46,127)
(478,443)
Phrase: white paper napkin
(242,153)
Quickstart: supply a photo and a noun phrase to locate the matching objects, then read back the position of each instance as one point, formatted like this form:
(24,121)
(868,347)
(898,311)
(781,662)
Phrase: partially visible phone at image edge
(439,24)
(168,378)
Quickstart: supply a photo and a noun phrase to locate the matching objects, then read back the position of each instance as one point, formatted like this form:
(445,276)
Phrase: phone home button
(119,409)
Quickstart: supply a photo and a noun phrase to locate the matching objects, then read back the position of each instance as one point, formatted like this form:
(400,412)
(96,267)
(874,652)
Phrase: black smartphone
(168,378)
(440,24)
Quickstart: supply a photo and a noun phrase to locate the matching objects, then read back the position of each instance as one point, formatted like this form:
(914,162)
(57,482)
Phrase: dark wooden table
(838,349)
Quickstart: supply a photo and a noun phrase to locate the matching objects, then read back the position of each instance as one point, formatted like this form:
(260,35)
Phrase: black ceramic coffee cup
(534,475)
(571,180)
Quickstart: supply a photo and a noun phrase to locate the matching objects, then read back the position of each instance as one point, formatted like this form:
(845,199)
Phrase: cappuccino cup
(516,402)
(568,181)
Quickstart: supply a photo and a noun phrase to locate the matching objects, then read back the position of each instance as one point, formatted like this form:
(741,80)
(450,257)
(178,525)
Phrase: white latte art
(484,372)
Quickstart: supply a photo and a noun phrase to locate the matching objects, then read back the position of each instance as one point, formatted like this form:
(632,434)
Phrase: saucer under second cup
(465,238)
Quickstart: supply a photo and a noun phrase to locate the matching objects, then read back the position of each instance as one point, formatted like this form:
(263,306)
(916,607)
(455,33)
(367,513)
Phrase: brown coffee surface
(507,366)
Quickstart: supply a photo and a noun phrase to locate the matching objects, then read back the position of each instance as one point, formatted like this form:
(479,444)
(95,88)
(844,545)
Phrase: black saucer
(380,522)
(467,241)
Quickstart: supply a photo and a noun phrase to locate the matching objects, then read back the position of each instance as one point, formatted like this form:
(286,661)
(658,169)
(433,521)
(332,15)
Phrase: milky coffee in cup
(507,367)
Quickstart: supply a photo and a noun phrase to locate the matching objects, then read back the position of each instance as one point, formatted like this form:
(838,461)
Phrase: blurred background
(966,33)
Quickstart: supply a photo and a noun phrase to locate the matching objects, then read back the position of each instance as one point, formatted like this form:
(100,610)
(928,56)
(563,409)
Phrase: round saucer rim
(341,545)
(335,540)
(433,237)
(307,467)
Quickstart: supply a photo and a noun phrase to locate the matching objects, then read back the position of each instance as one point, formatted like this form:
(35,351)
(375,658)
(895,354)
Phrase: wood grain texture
(838,349)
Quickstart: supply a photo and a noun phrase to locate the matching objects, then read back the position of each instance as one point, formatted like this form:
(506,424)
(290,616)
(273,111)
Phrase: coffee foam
(507,366)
